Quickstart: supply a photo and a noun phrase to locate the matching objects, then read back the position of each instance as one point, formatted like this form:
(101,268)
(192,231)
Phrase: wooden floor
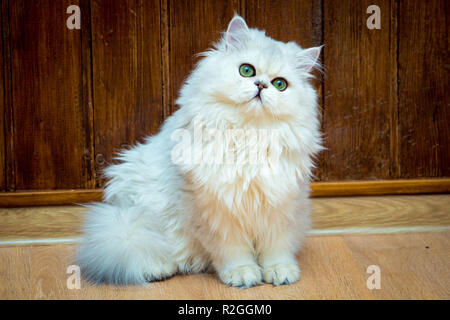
(413,266)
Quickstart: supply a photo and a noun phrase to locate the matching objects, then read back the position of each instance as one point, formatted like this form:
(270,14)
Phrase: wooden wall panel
(358,87)
(193,27)
(127,74)
(424,78)
(296,20)
(51,150)
(8,121)
(71,98)
(2,110)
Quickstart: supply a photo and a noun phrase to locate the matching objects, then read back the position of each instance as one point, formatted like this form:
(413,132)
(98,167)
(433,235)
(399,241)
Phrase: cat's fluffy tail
(123,246)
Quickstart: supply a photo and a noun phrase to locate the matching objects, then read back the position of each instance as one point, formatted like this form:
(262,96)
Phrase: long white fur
(160,218)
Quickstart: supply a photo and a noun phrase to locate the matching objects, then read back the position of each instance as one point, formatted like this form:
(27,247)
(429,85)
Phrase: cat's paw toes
(244,277)
(282,273)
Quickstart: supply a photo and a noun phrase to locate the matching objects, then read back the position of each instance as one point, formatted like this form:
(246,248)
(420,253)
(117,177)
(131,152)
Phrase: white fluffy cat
(160,216)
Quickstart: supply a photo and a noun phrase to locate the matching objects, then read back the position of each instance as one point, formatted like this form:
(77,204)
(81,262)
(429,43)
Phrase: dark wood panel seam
(88,103)
(394,168)
(10,184)
(322,74)
(321,175)
(3,143)
(164,53)
(399,168)
(91,66)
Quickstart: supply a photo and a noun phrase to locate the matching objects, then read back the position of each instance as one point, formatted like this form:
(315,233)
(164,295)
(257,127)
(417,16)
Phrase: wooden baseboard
(318,189)
(337,215)
(380,187)
(49,197)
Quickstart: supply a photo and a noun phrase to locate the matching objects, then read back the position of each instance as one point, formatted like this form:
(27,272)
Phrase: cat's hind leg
(124,245)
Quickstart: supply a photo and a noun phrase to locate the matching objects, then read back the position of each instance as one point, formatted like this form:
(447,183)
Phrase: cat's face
(260,76)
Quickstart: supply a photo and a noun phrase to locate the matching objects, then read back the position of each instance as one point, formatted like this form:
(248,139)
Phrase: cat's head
(256,74)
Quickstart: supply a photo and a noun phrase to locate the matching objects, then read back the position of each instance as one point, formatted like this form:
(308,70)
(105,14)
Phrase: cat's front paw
(244,276)
(282,273)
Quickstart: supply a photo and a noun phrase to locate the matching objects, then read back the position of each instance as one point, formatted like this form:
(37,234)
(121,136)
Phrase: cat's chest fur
(245,170)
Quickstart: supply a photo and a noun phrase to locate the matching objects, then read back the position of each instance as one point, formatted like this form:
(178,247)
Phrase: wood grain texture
(383,213)
(380,187)
(357,92)
(424,100)
(70,99)
(127,75)
(318,189)
(194,26)
(329,215)
(8,120)
(46,198)
(2,109)
(50,142)
(165,60)
(54,222)
(413,266)
(286,20)
(87,91)
(394,125)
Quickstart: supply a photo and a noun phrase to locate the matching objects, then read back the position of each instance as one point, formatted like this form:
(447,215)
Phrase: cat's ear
(237,33)
(308,59)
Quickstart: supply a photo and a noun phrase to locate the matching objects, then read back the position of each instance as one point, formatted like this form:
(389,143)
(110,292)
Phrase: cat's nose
(260,85)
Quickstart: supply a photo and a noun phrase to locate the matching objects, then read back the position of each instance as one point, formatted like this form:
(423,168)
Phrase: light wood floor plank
(333,267)
(412,266)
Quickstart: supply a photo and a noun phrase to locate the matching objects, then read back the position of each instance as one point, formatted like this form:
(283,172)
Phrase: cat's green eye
(247,70)
(280,84)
